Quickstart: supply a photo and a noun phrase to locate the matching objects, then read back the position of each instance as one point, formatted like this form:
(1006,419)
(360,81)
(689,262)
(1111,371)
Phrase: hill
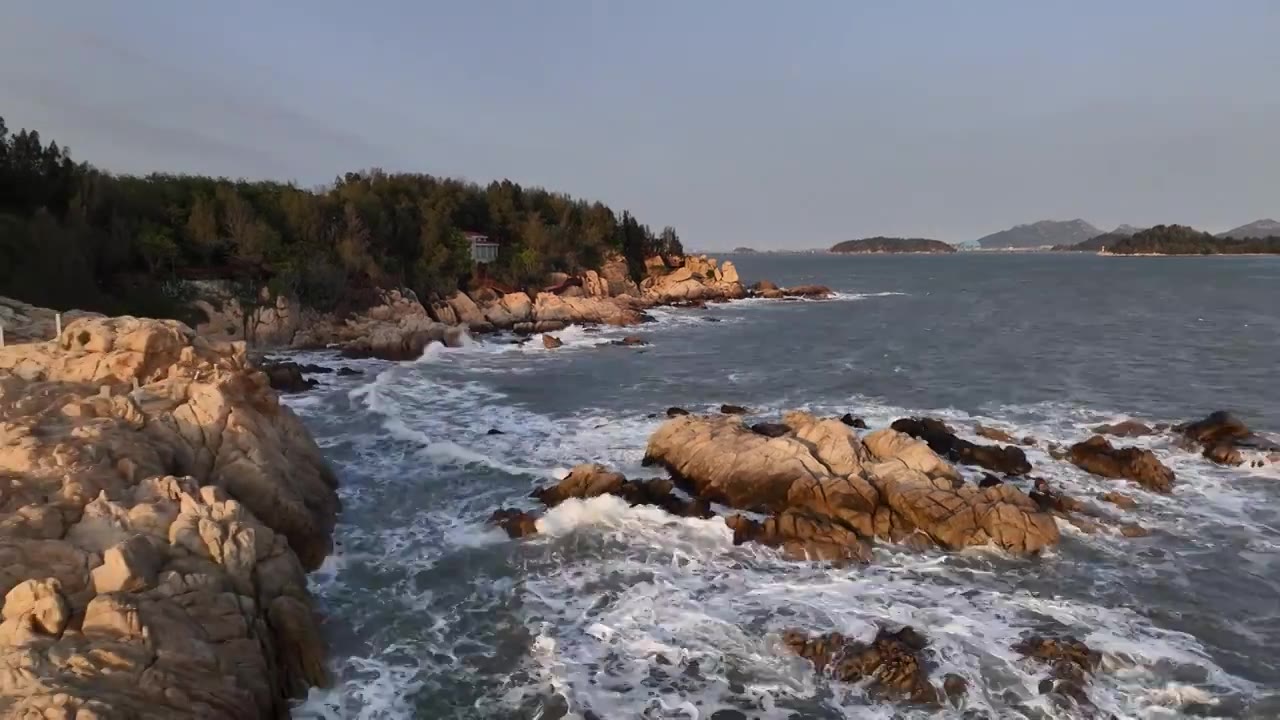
(1045,233)
(1124,230)
(1255,229)
(892,245)
(75,236)
(1180,240)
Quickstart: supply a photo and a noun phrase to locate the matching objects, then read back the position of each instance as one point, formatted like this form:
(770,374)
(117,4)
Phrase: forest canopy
(72,235)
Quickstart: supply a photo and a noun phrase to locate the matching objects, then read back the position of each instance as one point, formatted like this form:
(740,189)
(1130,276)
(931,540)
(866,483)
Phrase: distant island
(1042,234)
(1176,240)
(892,245)
(1254,230)
(744,250)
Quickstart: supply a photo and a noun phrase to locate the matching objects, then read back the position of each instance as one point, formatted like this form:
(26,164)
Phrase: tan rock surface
(889,486)
(158,507)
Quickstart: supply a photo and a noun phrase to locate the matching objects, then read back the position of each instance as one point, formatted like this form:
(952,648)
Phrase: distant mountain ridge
(1045,233)
(881,244)
(1254,230)
(1177,240)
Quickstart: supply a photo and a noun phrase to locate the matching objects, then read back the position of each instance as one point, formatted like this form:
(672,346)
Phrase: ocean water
(616,612)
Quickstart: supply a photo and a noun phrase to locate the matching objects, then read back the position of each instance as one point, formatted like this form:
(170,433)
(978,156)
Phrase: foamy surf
(615,611)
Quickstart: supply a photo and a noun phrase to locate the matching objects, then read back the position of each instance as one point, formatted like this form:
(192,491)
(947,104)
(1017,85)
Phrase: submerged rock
(287,377)
(807,291)
(1071,665)
(1126,428)
(734,410)
(892,663)
(551,342)
(516,523)
(1097,456)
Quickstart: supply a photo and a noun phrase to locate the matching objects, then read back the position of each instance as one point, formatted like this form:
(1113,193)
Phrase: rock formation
(158,511)
(1223,436)
(1099,457)
(1006,459)
(25,323)
(892,663)
(888,486)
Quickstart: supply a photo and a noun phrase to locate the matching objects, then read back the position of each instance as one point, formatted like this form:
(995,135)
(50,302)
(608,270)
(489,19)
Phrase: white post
(1,336)
(57,324)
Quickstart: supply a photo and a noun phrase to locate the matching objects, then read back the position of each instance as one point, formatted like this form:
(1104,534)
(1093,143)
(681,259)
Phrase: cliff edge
(158,512)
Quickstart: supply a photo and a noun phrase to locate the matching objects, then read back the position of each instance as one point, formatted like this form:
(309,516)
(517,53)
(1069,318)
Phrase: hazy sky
(771,124)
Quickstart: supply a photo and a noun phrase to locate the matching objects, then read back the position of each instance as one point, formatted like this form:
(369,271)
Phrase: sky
(783,125)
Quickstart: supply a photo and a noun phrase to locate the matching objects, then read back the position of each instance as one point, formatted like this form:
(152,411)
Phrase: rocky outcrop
(699,279)
(1071,664)
(158,513)
(1223,437)
(25,323)
(1006,459)
(889,486)
(398,328)
(892,664)
(1099,457)
(265,320)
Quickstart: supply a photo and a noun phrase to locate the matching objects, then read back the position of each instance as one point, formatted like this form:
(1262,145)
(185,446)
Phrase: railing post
(1,335)
(57,324)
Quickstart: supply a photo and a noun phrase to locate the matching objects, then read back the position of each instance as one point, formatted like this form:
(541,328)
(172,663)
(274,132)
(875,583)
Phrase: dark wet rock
(676,412)
(1057,452)
(551,342)
(1070,662)
(1029,441)
(711,319)
(1133,530)
(345,371)
(1006,459)
(1097,456)
(891,663)
(313,369)
(764,285)
(807,291)
(630,341)
(287,377)
(1126,428)
(989,480)
(517,523)
(991,433)
(734,410)
(954,687)
(1217,428)
(495,431)
(853,422)
(802,536)
(647,318)
(1120,500)
(771,430)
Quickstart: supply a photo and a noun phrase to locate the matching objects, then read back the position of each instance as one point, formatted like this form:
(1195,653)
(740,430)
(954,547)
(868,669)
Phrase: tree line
(72,235)
(1181,240)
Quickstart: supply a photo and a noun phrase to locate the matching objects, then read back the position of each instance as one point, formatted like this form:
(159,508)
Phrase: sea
(626,612)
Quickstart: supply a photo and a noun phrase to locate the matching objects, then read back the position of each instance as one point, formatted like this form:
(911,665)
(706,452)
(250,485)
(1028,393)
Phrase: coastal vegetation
(1176,240)
(882,244)
(72,235)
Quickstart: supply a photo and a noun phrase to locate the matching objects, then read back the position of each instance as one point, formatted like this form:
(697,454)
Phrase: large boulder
(159,512)
(1223,436)
(468,312)
(1099,457)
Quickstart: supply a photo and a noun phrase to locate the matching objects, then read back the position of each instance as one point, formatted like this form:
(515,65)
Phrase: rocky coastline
(399,325)
(159,511)
(830,490)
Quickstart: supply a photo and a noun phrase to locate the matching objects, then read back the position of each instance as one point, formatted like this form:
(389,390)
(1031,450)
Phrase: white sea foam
(630,612)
